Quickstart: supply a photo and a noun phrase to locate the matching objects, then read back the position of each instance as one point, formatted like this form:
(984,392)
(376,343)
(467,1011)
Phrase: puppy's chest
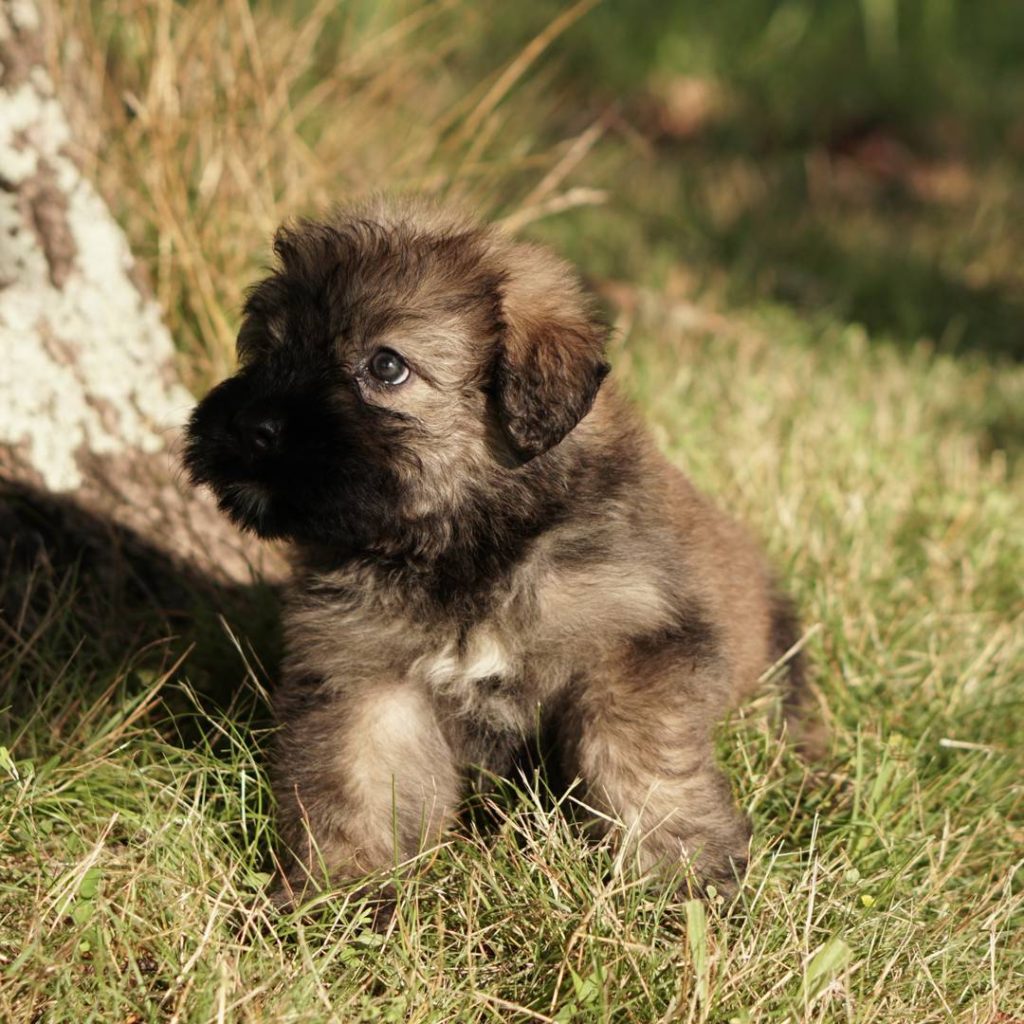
(481,672)
(494,670)
(477,675)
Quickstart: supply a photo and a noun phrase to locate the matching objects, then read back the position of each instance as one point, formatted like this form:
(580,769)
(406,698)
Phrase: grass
(882,471)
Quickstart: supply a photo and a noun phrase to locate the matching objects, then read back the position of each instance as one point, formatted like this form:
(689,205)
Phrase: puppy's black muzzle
(297,456)
(258,432)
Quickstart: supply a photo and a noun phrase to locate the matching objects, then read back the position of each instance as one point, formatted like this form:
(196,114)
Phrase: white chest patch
(459,677)
(484,656)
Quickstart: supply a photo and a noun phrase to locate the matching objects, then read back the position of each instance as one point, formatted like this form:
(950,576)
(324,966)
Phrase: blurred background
(853,159)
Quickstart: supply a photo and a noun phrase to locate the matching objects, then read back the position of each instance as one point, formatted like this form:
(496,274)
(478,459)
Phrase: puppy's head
(397,361)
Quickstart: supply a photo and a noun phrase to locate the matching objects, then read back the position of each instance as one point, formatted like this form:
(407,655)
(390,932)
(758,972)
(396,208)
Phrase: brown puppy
(485,538)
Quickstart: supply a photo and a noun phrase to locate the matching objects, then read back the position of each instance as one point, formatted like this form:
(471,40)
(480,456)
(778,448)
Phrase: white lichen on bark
(84,357)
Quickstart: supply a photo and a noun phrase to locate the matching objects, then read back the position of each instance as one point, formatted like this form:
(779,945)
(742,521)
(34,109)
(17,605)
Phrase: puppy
(486,543)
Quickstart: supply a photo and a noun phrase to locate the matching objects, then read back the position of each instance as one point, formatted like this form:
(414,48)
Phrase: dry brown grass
(207,124)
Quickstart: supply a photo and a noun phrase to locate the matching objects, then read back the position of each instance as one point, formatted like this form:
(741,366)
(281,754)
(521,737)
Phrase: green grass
(882,470)
(885,884)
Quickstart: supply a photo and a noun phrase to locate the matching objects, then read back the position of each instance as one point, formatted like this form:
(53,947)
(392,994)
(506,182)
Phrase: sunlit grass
(885,883)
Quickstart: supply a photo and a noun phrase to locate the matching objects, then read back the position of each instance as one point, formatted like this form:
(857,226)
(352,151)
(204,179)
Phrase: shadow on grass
(859,245)
(84,600)
(893,292)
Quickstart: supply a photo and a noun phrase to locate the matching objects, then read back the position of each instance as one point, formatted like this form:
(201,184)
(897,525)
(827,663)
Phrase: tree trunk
(90,404)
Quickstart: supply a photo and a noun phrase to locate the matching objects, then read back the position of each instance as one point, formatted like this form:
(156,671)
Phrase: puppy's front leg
(642,745)
(364,779)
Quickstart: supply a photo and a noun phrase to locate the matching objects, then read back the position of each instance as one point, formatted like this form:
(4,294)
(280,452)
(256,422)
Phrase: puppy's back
(719,570)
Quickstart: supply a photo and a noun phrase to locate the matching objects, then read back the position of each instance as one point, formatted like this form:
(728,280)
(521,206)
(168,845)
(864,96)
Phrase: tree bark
(90,403)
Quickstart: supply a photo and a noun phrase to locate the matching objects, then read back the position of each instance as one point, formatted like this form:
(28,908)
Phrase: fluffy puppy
(485,542)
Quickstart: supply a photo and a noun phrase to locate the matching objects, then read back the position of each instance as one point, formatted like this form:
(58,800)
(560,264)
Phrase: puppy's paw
(721,866)
(376,903)
(281,897)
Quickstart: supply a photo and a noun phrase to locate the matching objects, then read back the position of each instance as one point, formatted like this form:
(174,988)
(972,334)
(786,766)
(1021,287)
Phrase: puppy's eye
(388,367)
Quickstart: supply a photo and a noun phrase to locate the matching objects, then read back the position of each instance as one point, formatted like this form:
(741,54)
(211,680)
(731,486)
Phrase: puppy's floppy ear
(550,360)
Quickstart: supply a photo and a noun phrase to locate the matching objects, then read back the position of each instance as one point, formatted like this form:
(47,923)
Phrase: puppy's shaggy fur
(485,539)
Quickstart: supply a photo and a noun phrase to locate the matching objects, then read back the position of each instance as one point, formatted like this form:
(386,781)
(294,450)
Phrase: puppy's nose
(259,433)
(265,434)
